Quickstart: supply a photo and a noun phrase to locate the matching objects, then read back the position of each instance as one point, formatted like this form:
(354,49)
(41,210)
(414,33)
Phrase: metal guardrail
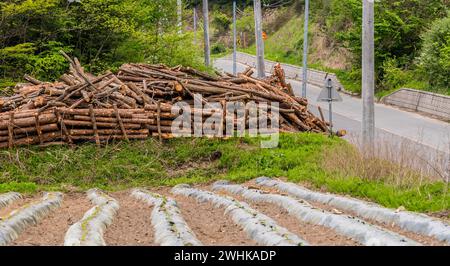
(433,104)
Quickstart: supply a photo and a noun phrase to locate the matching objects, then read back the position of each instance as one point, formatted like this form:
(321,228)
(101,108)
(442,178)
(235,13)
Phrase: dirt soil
(314,234)
(425,240)
(50,231)
(210,224)
(132,225)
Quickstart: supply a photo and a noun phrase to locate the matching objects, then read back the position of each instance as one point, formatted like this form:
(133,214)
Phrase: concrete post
(259,39)
(368,76)
(179,16)
(206,33)
(305,50)
(234,39)
(195,25)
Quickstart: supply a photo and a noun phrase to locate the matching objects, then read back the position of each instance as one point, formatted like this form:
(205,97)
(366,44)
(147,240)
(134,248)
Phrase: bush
(103,34)
(42,61)
(435,56)
(246,23)
(50,64)
(221,22)
(15,59)
(218,48)
(394,76)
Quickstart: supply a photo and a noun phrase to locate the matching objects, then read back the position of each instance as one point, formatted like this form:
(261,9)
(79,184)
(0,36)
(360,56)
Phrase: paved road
(396,129)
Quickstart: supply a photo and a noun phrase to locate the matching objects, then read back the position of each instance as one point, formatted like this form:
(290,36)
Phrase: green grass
(299,158)
(286,44)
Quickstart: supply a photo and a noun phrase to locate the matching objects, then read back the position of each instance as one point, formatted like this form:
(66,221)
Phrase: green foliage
(44,61)
(103,34)
(218,48)
(18,55)
(221,22)
(398,25)
(398,28)
(299,158)
(435,56)
(246,23)
(394,76)
(50,64)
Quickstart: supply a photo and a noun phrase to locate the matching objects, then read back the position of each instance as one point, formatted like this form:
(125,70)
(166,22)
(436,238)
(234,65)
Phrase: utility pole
(368,76)
(305,50)
(179,16)
(234,39)
(206,32)
(259,39)
(195,25)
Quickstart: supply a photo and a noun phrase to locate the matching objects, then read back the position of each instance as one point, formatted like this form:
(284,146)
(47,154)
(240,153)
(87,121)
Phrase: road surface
(425,138)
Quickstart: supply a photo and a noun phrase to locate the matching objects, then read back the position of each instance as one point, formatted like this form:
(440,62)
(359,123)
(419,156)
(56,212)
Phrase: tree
(101,33)
(435,55)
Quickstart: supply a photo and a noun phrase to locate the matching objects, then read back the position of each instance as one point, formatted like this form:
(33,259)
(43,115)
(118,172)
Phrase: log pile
(135,103)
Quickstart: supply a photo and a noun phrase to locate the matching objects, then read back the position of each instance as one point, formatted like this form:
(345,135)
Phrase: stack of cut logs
(135,103)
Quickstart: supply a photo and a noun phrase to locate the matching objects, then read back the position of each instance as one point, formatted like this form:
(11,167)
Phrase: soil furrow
(316,235)
(132,225)
(210,224)
(425,240)
(51,230)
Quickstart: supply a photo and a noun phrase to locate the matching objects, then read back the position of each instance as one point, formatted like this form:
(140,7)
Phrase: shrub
(221,22)
(50,64)
(218,48)
(43,61)
(394,76)
(435,56)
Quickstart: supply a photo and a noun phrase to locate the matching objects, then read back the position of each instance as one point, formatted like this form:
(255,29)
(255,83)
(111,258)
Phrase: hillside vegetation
(103,34)
(412,41)
(412,37)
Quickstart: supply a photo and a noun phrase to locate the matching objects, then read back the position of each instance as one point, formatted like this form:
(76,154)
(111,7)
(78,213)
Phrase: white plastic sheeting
(170,227)
(409,221)
(258,227)
(90,229)
(30,214)
(360,231)
(8,198)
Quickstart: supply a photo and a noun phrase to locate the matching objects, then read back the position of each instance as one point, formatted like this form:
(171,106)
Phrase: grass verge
(303,158)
